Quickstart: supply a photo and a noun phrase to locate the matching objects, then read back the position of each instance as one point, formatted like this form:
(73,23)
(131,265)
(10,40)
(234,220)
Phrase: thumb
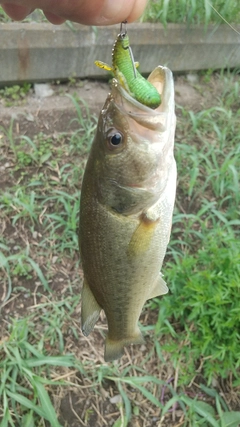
(88,12)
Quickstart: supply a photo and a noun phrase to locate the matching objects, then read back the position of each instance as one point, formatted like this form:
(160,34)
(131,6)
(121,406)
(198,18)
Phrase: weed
(196,411)
(207,74)
(20,205)
(15,95)
(83,137)
(191,11)
(64,222)
(24,399)
(204,301)
(20,265)
(74,81)
(199,315)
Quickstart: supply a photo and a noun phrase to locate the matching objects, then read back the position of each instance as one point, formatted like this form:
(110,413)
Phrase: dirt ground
(53,115)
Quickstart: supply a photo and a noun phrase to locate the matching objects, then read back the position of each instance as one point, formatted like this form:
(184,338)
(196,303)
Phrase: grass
(29,202)
(187,373)
(15,95)
(205,245)
(192,11)
(24,376)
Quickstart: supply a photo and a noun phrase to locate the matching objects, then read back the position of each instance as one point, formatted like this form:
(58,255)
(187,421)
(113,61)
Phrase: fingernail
(109,12)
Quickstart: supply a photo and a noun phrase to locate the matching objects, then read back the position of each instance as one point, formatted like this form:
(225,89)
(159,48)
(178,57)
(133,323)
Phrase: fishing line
(133,63)
(219,14)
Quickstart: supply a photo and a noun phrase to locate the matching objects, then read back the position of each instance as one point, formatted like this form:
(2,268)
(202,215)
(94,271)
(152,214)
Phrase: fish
(124,69)
(126,207)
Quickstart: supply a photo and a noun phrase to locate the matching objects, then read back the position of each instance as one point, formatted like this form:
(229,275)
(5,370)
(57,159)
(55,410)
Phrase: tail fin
(114,349)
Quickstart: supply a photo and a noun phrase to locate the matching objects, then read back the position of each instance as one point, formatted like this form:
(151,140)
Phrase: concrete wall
(41,52)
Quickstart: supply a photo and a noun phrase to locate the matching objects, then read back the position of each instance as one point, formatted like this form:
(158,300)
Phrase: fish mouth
(157,119)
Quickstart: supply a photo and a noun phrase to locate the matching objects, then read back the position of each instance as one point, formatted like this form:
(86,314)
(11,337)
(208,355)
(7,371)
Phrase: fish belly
(122,257)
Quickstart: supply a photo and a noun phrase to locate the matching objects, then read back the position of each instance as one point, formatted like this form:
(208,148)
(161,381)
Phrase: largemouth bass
(127,200)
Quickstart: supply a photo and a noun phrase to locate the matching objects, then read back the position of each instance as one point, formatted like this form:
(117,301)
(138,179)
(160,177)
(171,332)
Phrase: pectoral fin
(142,237)
(90,309)
(160,288)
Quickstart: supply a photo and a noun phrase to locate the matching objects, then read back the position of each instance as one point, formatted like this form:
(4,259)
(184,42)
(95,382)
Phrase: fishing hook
(123,32)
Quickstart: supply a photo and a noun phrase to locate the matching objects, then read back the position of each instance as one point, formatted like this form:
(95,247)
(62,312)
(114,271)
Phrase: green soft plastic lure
(124,70)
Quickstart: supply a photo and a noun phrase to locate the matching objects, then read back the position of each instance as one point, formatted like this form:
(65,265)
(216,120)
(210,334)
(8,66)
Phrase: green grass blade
(39,273)
(49,412)
(65,361)
(27,403)
(127,403)
(28,420)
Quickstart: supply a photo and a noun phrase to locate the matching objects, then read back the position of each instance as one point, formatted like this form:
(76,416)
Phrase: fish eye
(116,139)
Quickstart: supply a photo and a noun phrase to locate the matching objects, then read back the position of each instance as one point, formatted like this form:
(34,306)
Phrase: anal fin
(160,288)
(90,309)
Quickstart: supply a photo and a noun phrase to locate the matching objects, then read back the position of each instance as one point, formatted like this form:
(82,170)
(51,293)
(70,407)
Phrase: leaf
(203,409)
(45,157)
(230,419)
(120,423)
(171,403)
(213,393)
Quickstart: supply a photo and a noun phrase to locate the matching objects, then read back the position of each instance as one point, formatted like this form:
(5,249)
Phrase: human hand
(88,12)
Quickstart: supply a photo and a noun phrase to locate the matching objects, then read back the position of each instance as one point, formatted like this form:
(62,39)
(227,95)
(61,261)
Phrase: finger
(16,12)
(88,12)
(54,19)
(114,12)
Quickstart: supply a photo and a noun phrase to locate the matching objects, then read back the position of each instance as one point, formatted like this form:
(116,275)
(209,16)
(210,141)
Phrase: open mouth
(155,119)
